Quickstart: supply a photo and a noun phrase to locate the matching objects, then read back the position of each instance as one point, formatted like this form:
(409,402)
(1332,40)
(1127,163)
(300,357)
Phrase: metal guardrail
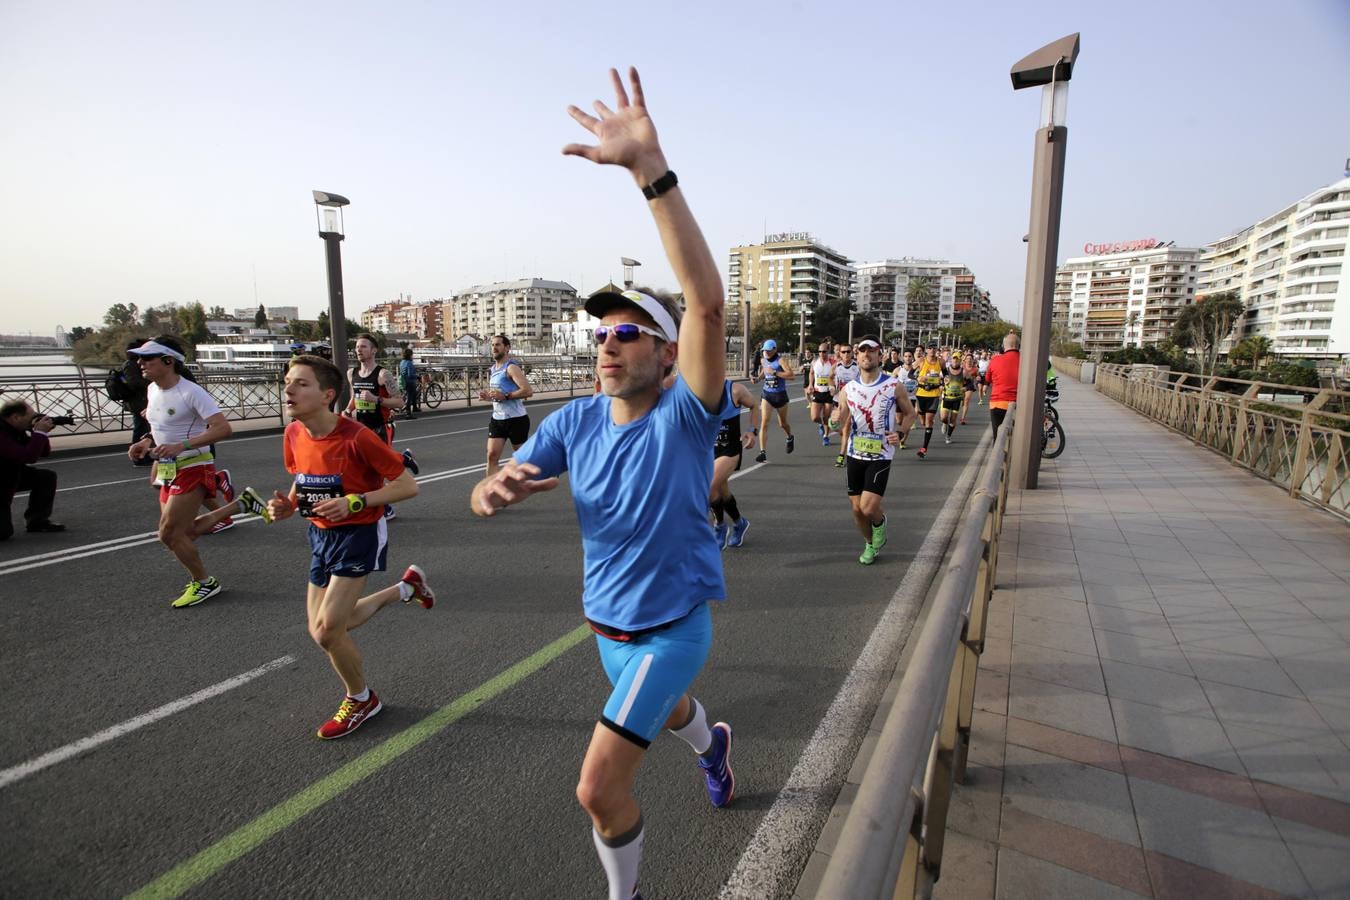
(245,394)
(892,841)
(1296,437)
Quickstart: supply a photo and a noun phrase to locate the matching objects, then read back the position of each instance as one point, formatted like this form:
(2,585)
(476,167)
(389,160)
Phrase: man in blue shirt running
(639,462)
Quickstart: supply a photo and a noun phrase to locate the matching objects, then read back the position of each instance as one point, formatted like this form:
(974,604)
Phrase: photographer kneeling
(23,441)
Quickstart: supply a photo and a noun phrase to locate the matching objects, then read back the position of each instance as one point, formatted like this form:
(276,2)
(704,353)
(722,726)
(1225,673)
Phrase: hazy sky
(157,152)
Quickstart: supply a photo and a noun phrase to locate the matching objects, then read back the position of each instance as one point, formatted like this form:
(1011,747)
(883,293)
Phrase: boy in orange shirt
(344,476)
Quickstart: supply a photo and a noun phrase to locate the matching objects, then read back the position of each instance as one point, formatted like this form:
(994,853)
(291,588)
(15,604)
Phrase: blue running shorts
(351,551)
(651,673)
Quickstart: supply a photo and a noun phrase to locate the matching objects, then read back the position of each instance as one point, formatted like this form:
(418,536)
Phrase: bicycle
(1053,438)
(433,394)
(1051,395)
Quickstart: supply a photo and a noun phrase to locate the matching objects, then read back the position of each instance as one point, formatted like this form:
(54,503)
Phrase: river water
(42,366)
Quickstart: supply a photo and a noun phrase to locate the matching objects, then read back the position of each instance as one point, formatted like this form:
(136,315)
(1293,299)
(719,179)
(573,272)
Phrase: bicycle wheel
(433,395)
(1051,411)
(1052,438)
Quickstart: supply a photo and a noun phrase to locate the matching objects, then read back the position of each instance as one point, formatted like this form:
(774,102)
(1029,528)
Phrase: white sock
(363,696)
(695,732)
(405,591)
(620,857)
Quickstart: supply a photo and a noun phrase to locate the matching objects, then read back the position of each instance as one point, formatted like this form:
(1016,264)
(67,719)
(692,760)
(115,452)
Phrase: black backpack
(114,386)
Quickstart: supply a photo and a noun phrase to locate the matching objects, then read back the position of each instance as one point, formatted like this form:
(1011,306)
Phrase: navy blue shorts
(351,551)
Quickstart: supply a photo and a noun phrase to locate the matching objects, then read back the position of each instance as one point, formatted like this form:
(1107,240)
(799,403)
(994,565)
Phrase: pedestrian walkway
(1164,704)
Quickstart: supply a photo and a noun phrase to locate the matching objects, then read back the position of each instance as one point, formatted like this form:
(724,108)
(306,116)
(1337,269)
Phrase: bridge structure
(1156,651)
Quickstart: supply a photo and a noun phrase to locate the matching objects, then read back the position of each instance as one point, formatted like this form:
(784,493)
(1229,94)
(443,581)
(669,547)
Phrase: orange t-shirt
(351,459)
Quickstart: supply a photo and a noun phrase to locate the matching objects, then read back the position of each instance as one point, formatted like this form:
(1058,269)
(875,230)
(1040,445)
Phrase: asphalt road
(463,786)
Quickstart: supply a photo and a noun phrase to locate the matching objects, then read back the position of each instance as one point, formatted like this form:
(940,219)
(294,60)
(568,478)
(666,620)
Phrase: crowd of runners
(664,406)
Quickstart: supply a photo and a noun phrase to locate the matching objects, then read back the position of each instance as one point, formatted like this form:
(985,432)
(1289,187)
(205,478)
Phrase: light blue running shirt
(641,493)
(506,409)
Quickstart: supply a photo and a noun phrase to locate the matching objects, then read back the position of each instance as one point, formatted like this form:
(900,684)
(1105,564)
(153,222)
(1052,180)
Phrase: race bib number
(863,444)
(166,470)
(311,490)
(366,405)
(823,382)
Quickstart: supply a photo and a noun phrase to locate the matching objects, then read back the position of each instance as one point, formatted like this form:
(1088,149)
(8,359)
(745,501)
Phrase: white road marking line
(277,435)
(61,754)
(80,487)
(23,564)
(792,825)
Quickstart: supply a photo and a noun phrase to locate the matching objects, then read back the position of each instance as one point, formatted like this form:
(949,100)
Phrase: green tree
(120,314)
(986,335)
(777,321)
(260,317)
(217,312)
(830,319)
(1253,349)
(1205,324)
(353,328)
(919,291)
(192,323)
(303,330)
(78,332)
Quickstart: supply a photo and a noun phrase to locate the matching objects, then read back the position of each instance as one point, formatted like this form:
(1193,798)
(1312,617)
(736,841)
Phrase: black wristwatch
(660,185)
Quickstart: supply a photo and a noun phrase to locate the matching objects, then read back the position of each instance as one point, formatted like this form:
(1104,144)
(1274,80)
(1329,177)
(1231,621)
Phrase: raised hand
(626,135)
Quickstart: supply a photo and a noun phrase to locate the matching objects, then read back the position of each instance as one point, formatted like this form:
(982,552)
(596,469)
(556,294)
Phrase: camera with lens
(57,420)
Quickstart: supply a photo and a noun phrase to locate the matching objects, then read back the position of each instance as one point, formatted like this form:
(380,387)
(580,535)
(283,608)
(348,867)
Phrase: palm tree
(1260,348)
(918,292)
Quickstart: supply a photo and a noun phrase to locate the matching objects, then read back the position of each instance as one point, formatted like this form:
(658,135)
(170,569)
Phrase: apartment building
(1288,269)
(1125,294)
(523,310)
(883,293)
(790,268)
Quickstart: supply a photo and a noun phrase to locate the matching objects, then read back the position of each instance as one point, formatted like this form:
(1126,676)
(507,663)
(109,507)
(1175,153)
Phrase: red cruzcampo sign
(1120,247)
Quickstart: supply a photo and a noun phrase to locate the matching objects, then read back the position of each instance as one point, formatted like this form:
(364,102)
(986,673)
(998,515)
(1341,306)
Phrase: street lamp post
(745,332)
(328,211)
(850,327)
(628,265)
(1050,69)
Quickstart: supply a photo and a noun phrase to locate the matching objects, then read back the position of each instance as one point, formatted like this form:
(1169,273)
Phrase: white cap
(600,304)
(155,348)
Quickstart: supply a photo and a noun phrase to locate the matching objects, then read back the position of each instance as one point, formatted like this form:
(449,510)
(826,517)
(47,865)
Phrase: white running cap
(599,305)
(155,348)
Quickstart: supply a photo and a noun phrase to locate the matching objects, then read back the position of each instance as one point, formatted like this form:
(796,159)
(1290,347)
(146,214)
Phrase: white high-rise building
(1288,269)
(883,291)
(522,310)
(1124,295)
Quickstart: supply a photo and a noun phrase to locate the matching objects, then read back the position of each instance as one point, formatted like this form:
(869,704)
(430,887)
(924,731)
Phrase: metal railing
(1297,437)
(245,394)
(892,841)
(1069,366)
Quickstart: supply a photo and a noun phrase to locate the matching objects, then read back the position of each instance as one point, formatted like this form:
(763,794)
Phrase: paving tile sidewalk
(1163,709)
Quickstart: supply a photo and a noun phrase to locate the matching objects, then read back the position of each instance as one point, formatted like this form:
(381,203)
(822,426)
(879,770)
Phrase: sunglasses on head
(626,332)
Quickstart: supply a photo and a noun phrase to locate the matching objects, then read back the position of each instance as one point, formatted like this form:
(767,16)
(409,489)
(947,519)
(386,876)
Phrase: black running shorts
(954,405)
(928,404)
(516,430)
(867,475)
(821,397)
(777,401)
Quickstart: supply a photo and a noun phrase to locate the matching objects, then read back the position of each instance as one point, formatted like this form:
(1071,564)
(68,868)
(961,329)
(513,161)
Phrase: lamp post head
(1052,63)
(328,211)
(629,262)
